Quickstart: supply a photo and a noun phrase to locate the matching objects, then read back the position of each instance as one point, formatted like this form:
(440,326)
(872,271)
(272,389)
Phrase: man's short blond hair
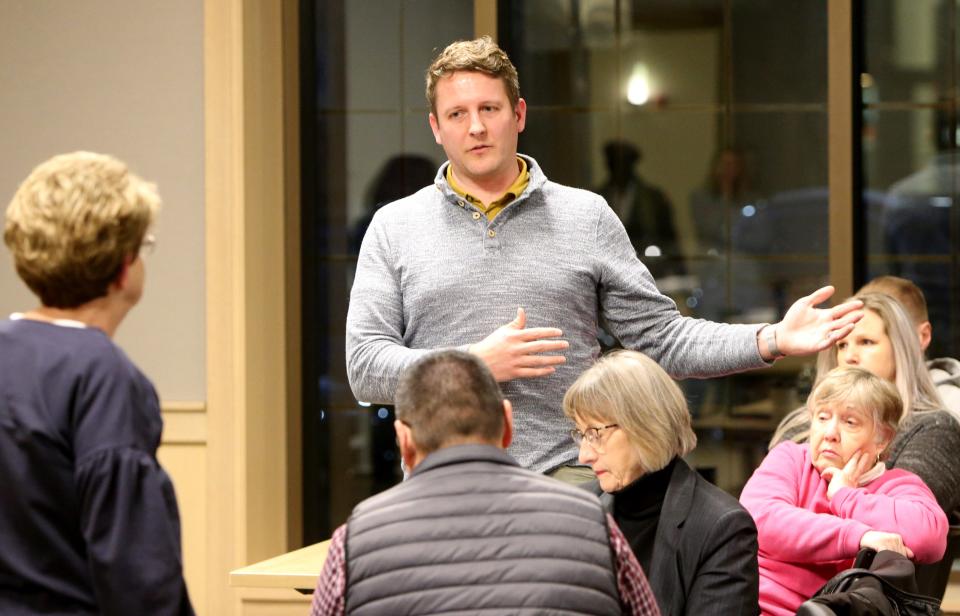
(480,55)
(631,390)
(904,291)
(74,222)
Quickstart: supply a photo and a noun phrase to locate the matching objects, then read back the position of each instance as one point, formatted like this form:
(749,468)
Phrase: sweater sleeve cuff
(758,328)
(850,537)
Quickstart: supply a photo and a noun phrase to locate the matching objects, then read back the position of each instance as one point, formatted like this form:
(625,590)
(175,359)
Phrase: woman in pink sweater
(817,504)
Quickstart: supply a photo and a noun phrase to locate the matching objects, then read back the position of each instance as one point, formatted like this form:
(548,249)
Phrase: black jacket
(705,557)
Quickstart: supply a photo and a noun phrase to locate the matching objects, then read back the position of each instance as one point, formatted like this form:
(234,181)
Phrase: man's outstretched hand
(806,329)
(514,352)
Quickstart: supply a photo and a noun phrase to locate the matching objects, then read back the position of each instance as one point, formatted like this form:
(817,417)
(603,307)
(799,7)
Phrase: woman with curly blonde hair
(88,518)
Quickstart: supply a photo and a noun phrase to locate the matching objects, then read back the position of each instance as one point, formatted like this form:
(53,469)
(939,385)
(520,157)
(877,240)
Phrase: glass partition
(366,142)
(706,131)
(910,159)
(704,124)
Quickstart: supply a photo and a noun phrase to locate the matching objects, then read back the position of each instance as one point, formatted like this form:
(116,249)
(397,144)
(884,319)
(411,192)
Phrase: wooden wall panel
(248,358)
(183,453)
(273,602)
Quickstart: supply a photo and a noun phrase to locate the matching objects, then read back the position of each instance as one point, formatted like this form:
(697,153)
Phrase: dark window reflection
(911,167)
(642,206)
(909,49)
(699,121)
(779,51)
(914,231)
(706,131)
(365,142)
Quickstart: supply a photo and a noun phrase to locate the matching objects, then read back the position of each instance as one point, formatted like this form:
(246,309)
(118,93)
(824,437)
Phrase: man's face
(477,127)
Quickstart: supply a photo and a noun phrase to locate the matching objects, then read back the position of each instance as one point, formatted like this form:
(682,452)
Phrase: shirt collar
(514,191)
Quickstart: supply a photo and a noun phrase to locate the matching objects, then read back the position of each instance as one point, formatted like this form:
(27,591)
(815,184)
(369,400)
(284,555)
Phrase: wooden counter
(298,570)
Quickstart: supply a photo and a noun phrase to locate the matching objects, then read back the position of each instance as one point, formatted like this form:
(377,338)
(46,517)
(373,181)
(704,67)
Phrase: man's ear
(435,127)
(520,109)
(507,424)
(925,331)
(408,450)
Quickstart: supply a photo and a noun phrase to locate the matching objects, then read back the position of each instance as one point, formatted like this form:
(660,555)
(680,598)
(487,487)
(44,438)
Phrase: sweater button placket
(491,241)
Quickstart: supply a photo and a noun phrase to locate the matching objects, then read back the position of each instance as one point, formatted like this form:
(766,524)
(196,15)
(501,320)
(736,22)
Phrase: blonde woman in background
(944,371)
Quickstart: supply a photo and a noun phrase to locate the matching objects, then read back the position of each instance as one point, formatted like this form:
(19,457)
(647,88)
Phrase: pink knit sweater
(806,538)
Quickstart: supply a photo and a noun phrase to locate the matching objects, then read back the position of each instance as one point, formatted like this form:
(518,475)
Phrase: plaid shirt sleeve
(329,597)
(635,594)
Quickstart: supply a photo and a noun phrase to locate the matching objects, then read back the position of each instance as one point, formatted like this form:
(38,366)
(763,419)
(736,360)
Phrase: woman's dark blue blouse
(88,518)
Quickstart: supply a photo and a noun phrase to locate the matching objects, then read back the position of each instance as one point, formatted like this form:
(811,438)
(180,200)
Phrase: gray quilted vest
(470,531)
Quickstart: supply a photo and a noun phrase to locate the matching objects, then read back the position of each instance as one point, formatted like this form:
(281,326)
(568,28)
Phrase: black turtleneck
(636,508)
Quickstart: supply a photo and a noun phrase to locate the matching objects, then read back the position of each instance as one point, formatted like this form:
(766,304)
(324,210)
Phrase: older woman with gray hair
(816,505)
(697,545)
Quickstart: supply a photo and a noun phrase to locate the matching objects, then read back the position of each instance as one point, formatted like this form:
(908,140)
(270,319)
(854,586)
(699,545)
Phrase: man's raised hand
(807,329)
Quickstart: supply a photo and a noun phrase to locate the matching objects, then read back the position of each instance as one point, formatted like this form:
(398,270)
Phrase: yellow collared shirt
(494,207)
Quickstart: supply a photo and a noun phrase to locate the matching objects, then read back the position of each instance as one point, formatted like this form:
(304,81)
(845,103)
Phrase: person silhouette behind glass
(643,208)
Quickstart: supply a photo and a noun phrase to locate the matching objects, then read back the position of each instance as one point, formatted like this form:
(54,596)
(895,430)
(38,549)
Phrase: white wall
(123,77)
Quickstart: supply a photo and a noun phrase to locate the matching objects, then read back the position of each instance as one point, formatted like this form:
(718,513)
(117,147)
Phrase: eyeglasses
(591,435)
(148,245)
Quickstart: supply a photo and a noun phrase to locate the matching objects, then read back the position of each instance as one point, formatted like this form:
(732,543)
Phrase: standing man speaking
(495,259)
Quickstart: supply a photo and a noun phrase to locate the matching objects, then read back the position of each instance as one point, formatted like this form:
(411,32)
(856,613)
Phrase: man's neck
(487,190)
(415,456)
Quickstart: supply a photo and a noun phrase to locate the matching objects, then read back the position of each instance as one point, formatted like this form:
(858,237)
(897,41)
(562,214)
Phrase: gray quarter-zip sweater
(434,273)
